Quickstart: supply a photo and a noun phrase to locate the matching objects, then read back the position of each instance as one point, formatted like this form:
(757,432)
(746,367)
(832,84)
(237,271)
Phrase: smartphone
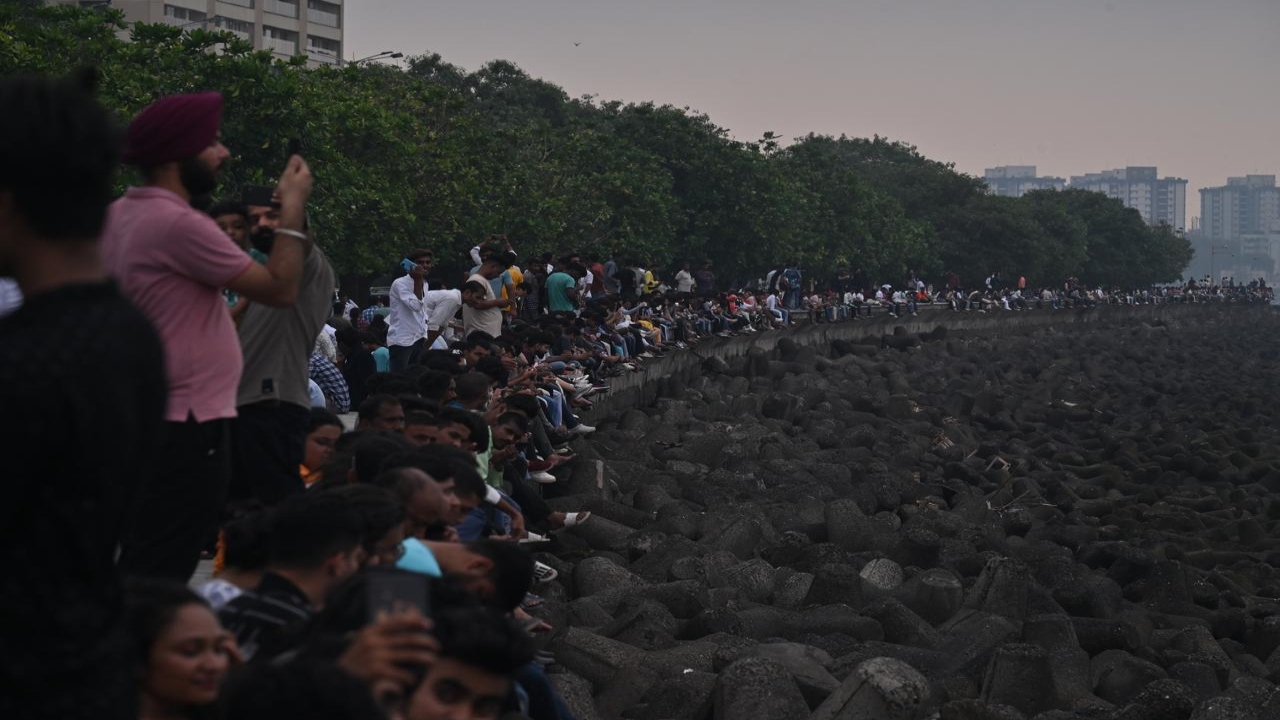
(408,265)
(392,592)
(294,147)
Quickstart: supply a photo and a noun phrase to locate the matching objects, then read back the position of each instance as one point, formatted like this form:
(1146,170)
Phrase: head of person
(496,264)
(422,258)
(436,386)
(302,688)
(512,428)
(419,428)
(180,648)
(424,500)
(497,572)
(370,451)
(473,291)
(472,390)
(263,208)
(175,141)
(246,542)
(317,538)
(232,219)
(455,471)
(474,350)
(323,430)
(472,677)
(58,155)
(380,412)
(382,514)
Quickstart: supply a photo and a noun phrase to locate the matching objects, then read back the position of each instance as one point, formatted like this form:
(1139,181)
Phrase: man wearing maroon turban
(173,263)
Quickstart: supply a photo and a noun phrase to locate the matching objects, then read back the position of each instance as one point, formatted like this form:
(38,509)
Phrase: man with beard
(82,388)
(173,262)
(272,406)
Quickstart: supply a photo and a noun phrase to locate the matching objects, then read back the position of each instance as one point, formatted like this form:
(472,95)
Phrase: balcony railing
(280,7)
(281,46)
(320,17)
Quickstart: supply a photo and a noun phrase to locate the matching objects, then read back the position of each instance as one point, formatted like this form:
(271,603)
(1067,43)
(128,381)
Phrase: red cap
(173,128)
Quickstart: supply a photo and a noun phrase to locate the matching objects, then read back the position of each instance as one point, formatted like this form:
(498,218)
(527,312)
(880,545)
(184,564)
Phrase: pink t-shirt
(172,262)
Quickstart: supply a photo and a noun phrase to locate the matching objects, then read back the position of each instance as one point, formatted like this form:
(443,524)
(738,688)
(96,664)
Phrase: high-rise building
(1018,180)
(1159,200)
(285,27)
(1248,205)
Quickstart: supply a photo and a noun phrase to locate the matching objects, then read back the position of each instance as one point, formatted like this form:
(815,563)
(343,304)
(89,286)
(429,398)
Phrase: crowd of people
(180,383)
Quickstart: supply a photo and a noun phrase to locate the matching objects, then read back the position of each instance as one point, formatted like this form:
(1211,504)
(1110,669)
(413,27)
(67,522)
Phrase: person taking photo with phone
(408,319)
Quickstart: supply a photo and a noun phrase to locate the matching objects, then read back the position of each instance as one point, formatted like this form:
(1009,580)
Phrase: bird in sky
(577,44)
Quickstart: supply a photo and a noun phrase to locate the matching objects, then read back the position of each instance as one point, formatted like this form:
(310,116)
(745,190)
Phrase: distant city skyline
(1072,87)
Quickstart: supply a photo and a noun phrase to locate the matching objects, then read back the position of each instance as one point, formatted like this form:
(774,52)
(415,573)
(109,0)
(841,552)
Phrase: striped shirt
(262,619)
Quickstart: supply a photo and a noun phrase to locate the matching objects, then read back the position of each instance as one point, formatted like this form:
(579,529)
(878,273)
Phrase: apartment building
(285,27)
(1248,205)
(1159,200)
(1018,180)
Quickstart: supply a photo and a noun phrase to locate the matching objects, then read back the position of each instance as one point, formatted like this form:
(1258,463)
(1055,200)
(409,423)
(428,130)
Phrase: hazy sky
(1071,86)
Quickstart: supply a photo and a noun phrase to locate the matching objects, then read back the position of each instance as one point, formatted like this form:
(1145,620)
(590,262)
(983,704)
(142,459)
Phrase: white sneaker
(582,429)
(544,573)
(533,537)
(542,477)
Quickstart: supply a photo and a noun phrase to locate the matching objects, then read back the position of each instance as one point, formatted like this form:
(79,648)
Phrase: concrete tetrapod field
(1045,516)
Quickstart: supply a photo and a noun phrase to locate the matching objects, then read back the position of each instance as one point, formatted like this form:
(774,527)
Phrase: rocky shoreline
(1052,518)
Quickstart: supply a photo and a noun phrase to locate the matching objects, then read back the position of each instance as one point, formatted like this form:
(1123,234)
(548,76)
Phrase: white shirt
(441,306)
(407,323)
(771,302)
(684,281)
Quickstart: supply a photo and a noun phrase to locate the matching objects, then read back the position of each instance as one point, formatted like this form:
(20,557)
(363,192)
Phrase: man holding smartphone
(173,262)
(408,320)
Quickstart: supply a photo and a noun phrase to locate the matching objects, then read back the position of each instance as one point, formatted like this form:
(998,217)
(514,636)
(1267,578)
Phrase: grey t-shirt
(277,342)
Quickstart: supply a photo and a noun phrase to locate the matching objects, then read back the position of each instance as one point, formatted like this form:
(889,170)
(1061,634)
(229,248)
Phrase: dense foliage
(436,156)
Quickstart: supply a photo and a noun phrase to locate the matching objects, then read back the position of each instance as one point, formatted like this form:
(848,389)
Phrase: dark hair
(479,431)
(520,422)
(58,153)
(379,509)
(229,208)
(419,417)
(483,638)
(321,417)
(512,573)
(526,404)
(150,605)
(372,451)
(433,384)
(373,404)
(246,538)
(474,286)
(417,253)
(415,405)
(395,478)
(304,687)
(471,386)
(491,366)
(444,462)
(310,528)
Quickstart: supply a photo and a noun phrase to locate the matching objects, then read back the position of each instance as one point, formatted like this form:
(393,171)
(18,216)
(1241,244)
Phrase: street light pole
(385,54)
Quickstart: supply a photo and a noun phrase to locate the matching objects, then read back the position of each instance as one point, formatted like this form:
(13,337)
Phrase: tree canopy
(433,155)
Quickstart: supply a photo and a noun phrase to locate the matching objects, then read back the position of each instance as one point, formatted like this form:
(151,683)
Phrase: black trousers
(177,510)
(268,444)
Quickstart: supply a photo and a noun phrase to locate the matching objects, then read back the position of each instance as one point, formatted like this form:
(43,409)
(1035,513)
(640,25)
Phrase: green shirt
(558,286)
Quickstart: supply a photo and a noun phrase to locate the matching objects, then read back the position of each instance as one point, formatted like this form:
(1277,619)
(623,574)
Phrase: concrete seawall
(663,377)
